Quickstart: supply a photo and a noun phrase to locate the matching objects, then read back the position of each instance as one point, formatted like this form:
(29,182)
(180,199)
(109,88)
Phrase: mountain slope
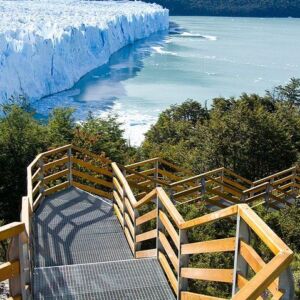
(251,8)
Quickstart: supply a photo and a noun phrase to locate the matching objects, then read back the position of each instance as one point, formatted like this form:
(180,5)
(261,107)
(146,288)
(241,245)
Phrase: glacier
(46,46)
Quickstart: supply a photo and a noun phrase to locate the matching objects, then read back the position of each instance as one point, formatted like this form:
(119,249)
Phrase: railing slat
(9,270)
(218,275)
(146,217)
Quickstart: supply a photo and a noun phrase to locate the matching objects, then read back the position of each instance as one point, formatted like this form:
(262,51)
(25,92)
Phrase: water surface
(200,58)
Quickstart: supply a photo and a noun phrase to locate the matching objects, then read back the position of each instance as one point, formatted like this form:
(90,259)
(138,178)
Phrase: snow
(46,46)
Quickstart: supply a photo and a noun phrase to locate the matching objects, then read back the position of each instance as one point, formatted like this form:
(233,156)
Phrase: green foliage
(61,126)
(22,137)
(251,134)
(103,135)
(264,8)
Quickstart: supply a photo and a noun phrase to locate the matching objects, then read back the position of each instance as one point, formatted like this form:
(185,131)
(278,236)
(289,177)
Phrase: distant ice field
(46,46)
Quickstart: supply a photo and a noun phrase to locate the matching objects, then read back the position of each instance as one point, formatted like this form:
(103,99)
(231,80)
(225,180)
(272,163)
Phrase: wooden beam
(92,178)
(221,245)
(56,175)
(169,250)
(92,190)
(169,227)
(169,273)
(146,253)
(151,234)
(220,214)
(194,296)
(56,163)
(218,275)
(10,230)
(9,270)
(56,188)
(91,167)
(146,217)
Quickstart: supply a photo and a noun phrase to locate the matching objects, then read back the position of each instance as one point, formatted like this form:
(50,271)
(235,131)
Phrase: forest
(253,135)
(243,8)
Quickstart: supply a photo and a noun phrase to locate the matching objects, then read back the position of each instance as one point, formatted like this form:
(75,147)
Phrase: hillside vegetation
(251,8)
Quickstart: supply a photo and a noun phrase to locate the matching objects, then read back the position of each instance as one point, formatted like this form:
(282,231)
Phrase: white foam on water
(160,50)
(198,35)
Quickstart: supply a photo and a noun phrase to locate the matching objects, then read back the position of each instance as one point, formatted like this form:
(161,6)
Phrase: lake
(199,58)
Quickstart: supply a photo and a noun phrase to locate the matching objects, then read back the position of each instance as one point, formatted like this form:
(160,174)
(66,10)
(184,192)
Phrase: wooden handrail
(274,175)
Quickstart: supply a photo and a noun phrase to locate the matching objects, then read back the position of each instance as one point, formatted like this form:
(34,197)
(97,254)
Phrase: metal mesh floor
(74,227)
(129,279)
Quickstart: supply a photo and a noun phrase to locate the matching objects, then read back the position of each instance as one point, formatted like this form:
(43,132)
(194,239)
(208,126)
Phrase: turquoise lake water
(199,58)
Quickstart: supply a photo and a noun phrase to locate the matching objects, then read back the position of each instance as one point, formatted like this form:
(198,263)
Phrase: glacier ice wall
(46,46)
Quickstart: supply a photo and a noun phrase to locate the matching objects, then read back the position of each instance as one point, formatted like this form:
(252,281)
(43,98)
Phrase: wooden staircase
(64,208)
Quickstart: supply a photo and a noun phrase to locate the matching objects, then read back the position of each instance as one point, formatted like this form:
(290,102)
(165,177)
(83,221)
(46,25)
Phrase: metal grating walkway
(130,279)
(71,224)
(80,252)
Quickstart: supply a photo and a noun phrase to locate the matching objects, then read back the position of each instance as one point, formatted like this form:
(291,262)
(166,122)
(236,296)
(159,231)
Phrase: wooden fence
(169,231)
(144,194)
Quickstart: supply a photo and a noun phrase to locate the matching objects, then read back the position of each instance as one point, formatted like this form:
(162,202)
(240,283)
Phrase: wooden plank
(223,196)
(146,198)
(256,263)
(151,234)
(169,174)
(169,250)
(220,214)
(225,186)
(25,214)
(56,188)
(142,163)
(242,281)
(284,179)
(56,163)
(169,227)
(146,217)
(146,253)
(91,167)
(56,150)
(230,172)
(187,192)
(168,271)
(186,180)
(220,245)
(146,182)
(145,172)
(266,234)
(36,175)
(119,215)
(118,201)
(92,178)
(9,270)
(129,225)
(129,208)
(234,183)
(91,154)
(218,275)
(118,187)
(36,189)
(259,283)
(56,175)
(124,184)
(37,201)
(10,230)
(18,297)
(268,178)
(129,239)
(175,167)
(194,296)
(91,190)
(170,207)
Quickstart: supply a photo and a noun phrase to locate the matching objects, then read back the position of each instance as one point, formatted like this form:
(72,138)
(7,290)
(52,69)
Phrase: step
(74,227)
(134,279)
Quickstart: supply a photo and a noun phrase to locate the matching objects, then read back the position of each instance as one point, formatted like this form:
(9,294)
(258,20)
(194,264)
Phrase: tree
(289,92)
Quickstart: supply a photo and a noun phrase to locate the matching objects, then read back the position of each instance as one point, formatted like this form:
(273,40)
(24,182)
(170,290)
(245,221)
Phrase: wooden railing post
(70,176)
(286,284)
(203,185)
(156,166)
(41,176)
(240,265)
(182,262)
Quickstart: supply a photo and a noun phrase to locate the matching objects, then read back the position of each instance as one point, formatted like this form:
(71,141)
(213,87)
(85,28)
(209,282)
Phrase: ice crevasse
(46,46)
